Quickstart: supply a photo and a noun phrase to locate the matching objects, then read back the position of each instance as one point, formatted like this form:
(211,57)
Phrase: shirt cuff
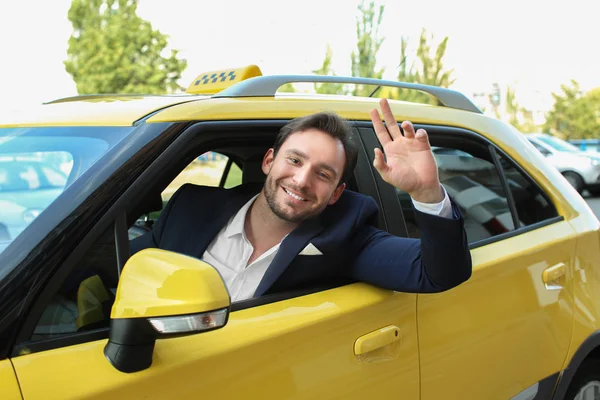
(441,209)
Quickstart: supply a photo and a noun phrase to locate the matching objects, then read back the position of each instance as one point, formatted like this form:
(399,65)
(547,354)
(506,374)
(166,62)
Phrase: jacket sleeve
(438,261)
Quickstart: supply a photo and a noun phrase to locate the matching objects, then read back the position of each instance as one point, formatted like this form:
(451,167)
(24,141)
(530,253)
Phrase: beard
(271,188)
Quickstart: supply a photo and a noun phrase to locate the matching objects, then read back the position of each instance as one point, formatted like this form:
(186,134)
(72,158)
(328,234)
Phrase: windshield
(38,164)
(559,144)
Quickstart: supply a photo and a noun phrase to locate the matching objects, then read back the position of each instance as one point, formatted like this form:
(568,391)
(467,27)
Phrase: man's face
(303,178)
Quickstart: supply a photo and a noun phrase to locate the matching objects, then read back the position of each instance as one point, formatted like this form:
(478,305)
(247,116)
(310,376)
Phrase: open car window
(475,183)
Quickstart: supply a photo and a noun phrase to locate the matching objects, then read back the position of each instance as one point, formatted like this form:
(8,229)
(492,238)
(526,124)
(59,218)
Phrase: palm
(408,164)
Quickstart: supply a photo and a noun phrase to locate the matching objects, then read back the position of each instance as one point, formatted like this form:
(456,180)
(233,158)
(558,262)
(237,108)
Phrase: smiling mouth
(292,195)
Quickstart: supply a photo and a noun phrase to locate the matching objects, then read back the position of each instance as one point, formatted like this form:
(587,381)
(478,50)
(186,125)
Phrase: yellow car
(80,318)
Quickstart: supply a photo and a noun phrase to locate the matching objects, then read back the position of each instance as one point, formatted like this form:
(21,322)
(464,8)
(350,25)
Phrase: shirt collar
(235,226)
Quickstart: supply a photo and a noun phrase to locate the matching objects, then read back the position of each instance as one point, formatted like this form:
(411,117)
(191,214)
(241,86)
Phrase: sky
(532,45)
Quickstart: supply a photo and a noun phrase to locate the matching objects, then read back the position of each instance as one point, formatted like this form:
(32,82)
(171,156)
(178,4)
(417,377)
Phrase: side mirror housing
(162,294)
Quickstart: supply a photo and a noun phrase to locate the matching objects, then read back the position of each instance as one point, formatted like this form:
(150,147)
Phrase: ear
(336,194)
(267,162)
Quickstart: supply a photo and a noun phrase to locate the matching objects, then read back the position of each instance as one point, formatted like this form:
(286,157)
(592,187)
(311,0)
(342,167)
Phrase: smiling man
(303,229)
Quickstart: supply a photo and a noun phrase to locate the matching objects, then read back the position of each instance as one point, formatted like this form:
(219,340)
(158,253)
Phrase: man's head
(308,166)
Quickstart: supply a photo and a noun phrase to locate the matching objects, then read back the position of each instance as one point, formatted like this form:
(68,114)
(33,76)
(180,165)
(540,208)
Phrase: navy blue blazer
(353,248)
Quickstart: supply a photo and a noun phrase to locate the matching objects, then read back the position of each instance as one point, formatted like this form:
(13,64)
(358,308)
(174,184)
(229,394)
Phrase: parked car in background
(580,169)
(28,185)
(591,145)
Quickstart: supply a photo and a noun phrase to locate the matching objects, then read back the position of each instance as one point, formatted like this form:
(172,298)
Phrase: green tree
(327,88)
(113,50)
(287,88)
(516,115)
(364,58)
(574,114)
(428,69)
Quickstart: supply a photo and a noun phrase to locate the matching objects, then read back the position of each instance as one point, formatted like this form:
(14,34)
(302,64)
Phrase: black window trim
(388,206)
(509,196)
(113,218)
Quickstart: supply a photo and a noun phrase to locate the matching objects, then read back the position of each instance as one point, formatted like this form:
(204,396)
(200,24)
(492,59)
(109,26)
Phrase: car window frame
(206,133)
(396,216)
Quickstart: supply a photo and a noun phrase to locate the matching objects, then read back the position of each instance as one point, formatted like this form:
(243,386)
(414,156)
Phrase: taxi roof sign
(215,81)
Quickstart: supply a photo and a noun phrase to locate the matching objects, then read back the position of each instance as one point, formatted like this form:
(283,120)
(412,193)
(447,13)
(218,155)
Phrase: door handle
(552,274)
(376,339)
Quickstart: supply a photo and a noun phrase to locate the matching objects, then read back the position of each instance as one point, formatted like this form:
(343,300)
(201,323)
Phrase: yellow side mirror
(162,294)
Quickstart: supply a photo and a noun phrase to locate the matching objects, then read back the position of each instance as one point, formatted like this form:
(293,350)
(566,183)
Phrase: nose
(302,177)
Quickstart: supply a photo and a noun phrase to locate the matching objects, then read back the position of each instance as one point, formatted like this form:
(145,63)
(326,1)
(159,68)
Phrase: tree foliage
(113,50)
(516,115)
(364,59)
(428,68)
(327,88)
(574,114)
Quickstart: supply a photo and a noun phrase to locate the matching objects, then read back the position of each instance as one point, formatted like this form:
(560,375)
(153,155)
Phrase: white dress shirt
(230,250)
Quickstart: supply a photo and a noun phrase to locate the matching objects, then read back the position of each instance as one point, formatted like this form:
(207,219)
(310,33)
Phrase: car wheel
(594,192)
(586,384)
(574,179)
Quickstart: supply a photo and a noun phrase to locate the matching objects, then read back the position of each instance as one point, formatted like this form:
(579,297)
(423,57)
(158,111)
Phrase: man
(303,230)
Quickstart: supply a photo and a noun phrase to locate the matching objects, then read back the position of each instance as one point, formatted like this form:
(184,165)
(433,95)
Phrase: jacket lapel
(290,247)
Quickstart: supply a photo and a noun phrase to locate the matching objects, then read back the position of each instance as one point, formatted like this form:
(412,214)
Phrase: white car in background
(581,169)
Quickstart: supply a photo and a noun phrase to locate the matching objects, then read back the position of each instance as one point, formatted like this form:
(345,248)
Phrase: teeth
(293,195)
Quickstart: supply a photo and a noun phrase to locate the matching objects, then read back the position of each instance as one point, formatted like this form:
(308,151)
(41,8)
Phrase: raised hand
(410,165)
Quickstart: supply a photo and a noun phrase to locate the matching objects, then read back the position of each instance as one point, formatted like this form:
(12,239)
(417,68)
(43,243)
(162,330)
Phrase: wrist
(429,195)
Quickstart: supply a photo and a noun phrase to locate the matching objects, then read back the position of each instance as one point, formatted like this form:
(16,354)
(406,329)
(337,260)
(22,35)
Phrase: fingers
(422,136)
(409,129)
(380,130)
(391,131)
(379,163)
(390,121)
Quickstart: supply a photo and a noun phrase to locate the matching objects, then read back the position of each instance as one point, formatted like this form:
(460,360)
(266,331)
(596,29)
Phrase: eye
(293,160)
(323,175)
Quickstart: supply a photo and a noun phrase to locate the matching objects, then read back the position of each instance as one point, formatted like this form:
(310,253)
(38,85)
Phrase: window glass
(84,300)
(29,183)
(475,185)
(37,166)
(206,170)
(531,203)
(234,176)
(54,178)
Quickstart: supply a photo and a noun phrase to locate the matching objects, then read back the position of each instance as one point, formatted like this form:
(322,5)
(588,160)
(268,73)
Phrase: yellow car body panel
(514,331)
(586,281)
(9,386)
(154,283)
(298,348)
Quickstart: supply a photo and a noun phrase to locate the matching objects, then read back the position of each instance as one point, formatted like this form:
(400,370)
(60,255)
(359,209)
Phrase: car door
(353,341)
(298,348)
(9,386)
(505,332)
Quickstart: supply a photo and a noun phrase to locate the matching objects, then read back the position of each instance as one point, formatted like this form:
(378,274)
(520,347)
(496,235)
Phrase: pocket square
(310,250)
